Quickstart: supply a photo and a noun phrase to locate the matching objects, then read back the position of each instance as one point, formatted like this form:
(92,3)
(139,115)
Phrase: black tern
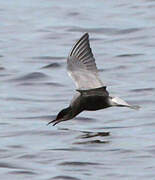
(91,93)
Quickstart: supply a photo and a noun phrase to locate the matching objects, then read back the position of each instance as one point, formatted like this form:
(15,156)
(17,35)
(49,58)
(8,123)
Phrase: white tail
(116,101)
(135,107)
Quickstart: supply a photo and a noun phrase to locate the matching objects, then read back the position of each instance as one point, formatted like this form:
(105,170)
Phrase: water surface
(35,39)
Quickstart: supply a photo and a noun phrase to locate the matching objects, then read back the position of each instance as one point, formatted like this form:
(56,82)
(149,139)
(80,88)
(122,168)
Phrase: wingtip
(86,34)
(84,37)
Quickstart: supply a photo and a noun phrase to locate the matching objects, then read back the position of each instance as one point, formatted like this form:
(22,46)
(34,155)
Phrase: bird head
(63,115)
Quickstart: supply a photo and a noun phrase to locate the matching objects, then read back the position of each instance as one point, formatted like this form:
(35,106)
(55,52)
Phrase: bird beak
(55,121)
(50,122)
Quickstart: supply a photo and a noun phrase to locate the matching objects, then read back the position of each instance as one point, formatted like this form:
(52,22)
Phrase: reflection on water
(92,134)
(114,143)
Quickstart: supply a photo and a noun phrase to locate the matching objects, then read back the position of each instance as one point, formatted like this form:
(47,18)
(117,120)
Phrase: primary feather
(81,65)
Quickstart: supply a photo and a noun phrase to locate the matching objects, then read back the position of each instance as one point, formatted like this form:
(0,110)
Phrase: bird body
(91,93)
(83,102)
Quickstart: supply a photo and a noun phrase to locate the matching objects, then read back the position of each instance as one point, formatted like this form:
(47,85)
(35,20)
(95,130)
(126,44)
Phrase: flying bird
(91,93)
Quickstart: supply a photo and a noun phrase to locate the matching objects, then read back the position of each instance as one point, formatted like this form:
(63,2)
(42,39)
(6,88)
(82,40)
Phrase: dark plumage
(91,93)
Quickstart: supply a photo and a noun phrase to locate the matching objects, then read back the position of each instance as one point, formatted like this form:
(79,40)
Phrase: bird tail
(116,101)
(135,107)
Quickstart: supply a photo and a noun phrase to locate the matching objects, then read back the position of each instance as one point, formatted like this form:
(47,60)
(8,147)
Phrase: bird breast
(90,103)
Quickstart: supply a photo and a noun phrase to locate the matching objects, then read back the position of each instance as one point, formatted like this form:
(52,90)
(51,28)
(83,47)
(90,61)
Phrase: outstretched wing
(81,65)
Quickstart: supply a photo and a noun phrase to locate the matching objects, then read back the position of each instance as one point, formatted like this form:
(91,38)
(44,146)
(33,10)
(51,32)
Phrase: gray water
(35,39)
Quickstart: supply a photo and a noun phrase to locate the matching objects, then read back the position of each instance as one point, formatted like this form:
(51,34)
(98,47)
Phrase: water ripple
(75,163)
(143,90)
(34,84)
(97,141)
(64,178)
(49,57)
(52,65)
(110,31)
(93,134)
(31,77)
(129,55)
(23,172)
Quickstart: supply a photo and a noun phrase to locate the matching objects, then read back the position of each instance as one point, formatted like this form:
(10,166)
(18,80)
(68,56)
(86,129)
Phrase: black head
(61,116)
(62,113)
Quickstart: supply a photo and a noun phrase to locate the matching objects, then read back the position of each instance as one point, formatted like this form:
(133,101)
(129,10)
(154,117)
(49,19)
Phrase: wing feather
(81,65)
